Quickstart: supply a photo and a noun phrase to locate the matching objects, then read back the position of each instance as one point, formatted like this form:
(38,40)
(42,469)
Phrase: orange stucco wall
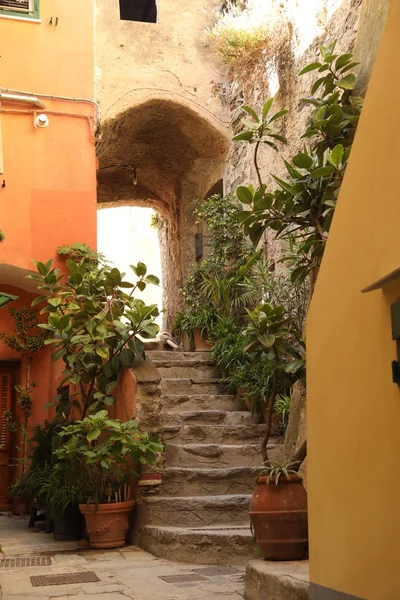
(50,193)
(353,405)
(49,198)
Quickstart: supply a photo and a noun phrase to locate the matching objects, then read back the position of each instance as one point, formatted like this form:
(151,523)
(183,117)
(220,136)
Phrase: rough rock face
(200,511)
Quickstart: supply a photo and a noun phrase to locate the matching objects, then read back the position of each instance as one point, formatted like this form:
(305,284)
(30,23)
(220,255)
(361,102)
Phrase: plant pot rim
(106,507)
(261,479)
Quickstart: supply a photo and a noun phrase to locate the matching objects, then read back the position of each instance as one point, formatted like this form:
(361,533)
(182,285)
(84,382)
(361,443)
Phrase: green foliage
(101,454)
(274,470)
(302,207)
(214,282)
(78,252)
(258,130)
(282,408)
(27,338)
(2,236)
(94,325)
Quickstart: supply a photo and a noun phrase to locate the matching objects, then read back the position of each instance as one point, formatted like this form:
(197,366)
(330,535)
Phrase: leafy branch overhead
(301,208)
(96,325)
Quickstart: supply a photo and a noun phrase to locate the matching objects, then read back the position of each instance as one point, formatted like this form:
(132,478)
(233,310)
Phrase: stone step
(179,357)
(191,481)
(197,511)
(193,386)
(194,402)
(214,434)
(187,371)
(209,417)
(203,545)
(218,455)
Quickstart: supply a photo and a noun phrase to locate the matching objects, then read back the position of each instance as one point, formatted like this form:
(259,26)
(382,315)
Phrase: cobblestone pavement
(128,573)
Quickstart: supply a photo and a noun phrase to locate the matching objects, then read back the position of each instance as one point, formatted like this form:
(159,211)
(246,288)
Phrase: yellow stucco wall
(353,406)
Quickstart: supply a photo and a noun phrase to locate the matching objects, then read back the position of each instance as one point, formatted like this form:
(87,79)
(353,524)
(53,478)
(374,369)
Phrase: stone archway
(162,154)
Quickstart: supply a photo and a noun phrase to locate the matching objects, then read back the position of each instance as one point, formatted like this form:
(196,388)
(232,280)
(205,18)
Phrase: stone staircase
(200,511)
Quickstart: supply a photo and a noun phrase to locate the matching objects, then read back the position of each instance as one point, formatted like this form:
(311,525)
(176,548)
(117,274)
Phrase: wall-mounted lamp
(42,121)
(395,310)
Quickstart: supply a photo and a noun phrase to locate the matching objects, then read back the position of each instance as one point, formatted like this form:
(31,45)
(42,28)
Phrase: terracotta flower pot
(107,524)
(20,506)
(279,517)
(200,343)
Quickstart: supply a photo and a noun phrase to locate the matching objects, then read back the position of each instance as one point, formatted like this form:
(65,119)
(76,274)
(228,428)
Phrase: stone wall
(357,25)
(161,121)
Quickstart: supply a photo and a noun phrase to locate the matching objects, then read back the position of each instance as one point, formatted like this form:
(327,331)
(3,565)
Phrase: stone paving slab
(125,574)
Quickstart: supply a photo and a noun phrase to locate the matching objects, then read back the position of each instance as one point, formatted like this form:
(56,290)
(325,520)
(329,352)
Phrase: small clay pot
(107,524)
(201,344)
(279,517)
(20,506)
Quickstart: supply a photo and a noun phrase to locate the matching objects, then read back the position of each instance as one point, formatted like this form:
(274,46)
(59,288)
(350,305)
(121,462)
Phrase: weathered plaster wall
(155,84)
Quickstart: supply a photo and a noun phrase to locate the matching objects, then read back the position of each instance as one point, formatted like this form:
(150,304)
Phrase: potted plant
(99,455)
(203,322)
(183,326)
(19,492)
(278,512)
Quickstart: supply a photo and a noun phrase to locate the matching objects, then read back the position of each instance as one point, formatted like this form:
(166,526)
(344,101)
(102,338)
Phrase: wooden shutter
(5,404)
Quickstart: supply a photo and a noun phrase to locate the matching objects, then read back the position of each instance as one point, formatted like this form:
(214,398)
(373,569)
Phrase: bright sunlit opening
(125,236)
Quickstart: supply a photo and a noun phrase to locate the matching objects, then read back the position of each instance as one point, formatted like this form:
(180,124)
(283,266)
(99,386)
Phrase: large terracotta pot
(20,506)
(279,517)
(200,343)
(107,524)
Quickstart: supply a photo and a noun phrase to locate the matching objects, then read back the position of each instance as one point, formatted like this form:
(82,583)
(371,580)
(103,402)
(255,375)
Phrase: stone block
(277,581)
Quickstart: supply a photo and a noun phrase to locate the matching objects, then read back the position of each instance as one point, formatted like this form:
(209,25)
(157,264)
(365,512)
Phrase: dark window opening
(138,10)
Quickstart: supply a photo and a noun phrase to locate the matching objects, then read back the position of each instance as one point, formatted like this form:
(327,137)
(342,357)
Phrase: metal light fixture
(42,120)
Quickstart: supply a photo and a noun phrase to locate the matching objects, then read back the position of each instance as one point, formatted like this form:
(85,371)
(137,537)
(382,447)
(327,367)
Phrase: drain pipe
(31,100)
(52,97)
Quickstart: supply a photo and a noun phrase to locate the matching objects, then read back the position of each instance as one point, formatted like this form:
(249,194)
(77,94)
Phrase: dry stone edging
(199,513)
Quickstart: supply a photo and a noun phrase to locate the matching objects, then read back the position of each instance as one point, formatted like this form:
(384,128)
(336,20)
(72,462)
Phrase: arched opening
(161,154)
(127,235)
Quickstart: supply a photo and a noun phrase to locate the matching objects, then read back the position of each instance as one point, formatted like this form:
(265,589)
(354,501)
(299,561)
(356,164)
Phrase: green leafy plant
(26,340)
(302,207)
(96,326)
(78,252)
(267,334)
(101,456)
(274,470)
(282,408)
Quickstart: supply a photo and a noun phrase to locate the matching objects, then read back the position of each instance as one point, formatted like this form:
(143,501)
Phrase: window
(138,10)
(20,8)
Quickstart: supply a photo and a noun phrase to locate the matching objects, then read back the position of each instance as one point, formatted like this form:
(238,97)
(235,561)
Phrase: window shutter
(24,6)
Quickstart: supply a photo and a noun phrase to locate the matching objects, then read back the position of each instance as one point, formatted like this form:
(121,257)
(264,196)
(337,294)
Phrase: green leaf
(54,301)
(267,340)
(244,194)
(109,400)
(37,300)
(127,357)
(278,115)
(250,111)
(342,61)
(43,270)
(303,161)
(141,269)
(152,279)
(244,136)
(310,67)
(93,434)
(141,285)
(111,385)
(336,155)
(322,172)
(102,351)
(317,84)
(267,107)
(348,82)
